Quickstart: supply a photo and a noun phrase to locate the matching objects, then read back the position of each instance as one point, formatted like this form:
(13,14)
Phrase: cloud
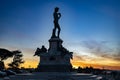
(102,49)
(79,58)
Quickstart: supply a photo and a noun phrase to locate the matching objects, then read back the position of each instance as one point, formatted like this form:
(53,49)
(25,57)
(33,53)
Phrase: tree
(5,54)
(79,70)
(17,60)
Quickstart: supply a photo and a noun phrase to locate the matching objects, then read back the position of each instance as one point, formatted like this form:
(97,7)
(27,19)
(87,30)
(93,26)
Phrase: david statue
(56,16)
(56,58)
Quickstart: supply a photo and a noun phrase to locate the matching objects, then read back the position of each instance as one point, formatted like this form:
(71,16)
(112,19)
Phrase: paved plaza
(53,76)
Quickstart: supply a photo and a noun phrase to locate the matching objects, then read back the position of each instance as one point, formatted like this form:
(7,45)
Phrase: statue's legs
(59,31)
(55,31)
(56,26)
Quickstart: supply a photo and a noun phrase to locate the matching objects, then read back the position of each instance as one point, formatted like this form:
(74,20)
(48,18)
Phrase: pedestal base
(56,59)
(54,68)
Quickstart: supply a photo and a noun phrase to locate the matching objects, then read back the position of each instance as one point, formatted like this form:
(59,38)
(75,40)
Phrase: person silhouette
(56,16)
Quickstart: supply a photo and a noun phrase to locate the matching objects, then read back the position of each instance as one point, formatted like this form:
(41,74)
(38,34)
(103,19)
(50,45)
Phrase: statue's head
(56,9)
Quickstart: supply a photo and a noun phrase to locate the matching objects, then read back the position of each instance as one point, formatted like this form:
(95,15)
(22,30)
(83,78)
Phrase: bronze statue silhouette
(39,51)
(56,16)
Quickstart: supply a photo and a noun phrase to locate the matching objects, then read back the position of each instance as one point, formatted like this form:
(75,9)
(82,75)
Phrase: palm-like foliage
(17,60)
(4,53)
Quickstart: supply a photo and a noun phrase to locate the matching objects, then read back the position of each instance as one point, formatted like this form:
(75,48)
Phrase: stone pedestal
(56,59)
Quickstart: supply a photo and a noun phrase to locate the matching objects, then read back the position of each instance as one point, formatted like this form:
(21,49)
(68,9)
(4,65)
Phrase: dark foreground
(52,76)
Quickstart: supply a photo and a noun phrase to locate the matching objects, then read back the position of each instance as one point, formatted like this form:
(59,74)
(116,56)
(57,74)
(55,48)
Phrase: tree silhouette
(79,70)
(5,54)
(17,60)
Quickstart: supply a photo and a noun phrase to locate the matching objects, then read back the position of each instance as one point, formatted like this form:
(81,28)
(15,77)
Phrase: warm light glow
(106,64)
(29,63)
(97,64)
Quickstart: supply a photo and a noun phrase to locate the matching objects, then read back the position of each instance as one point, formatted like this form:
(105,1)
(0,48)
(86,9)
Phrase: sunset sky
(89,28)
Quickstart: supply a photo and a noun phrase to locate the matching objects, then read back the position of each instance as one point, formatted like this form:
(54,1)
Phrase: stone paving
(52,76)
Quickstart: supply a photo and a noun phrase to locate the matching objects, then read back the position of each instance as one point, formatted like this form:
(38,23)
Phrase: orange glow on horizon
(32,63)
(84,64)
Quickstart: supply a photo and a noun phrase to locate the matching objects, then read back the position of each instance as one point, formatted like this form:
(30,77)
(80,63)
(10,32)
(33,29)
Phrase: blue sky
(28,24)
